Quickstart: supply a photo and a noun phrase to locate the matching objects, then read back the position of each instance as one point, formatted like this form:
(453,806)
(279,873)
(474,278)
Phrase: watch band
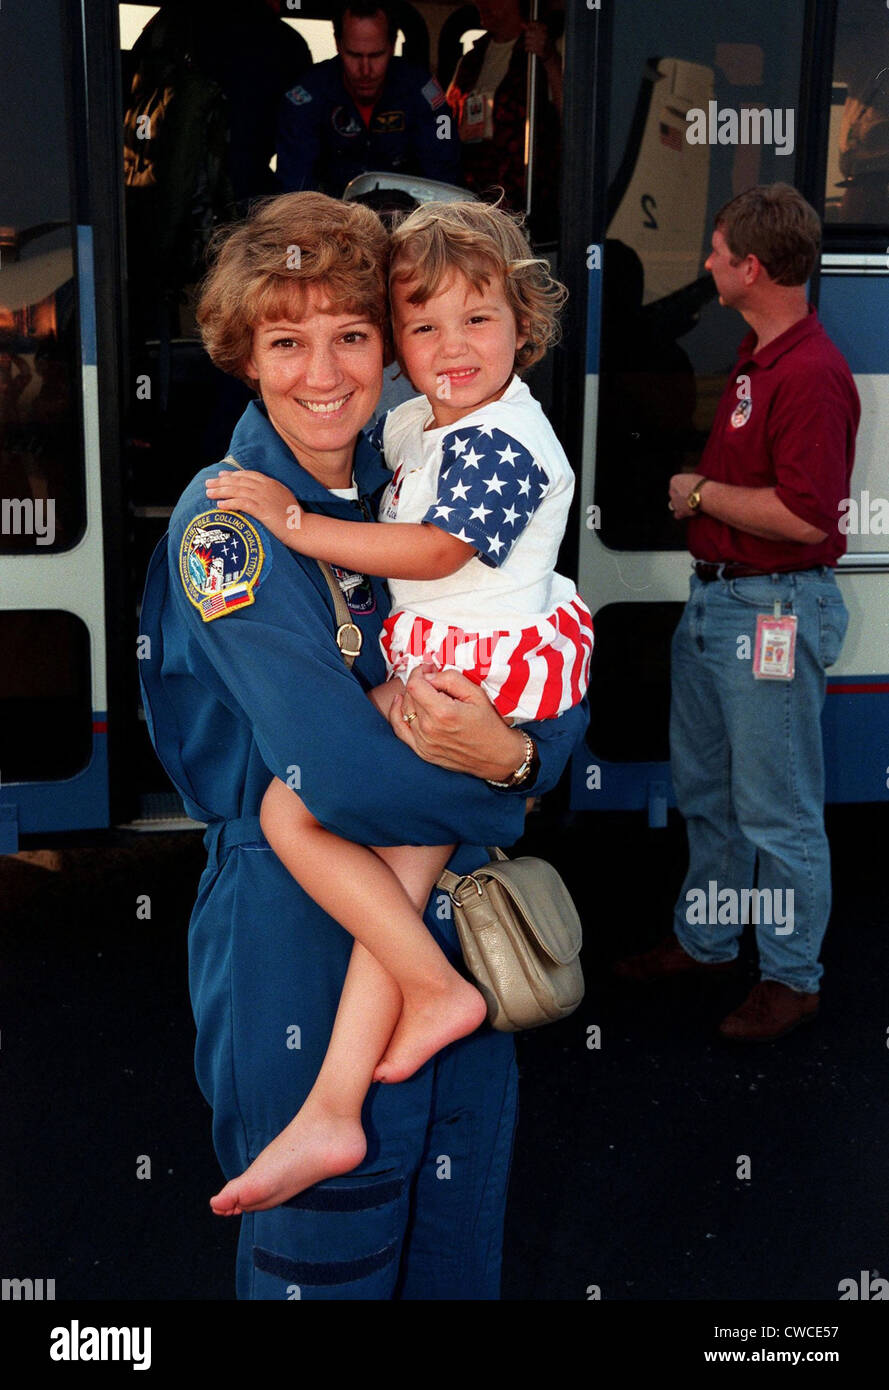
(521,773)
(693,500)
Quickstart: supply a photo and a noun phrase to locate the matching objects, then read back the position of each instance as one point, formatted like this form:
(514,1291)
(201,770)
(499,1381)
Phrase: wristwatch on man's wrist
(693,500)
(528,769)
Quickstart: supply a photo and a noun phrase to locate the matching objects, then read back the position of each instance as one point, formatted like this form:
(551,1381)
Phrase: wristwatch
(693,500)
(530,763)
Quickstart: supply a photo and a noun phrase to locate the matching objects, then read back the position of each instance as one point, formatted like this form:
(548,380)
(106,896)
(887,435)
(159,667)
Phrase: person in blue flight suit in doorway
(364,110)
(245,682)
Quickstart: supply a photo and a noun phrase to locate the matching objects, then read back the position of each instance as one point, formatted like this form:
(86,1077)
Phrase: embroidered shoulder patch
(299,96)
(220,560)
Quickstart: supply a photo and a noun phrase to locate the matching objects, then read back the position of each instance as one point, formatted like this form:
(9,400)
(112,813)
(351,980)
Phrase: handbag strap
(348,636)
(450,882)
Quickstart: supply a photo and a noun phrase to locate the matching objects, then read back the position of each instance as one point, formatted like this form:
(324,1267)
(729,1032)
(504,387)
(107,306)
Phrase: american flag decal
(433,94)
(671,134)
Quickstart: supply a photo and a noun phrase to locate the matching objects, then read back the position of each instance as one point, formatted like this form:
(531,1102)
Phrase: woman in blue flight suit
(245,681)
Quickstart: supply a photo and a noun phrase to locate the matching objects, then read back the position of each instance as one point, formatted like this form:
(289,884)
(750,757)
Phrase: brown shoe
(664,961)
(769,1011)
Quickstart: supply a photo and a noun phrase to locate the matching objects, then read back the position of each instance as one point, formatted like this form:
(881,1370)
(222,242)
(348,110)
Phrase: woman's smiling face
(320,375)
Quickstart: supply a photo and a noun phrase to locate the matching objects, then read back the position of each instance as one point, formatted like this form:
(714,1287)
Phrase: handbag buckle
(349,639)
(467,878)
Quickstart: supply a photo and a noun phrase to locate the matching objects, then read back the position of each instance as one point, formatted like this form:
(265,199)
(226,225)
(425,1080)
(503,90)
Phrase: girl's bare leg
(326,1138)
(358,888)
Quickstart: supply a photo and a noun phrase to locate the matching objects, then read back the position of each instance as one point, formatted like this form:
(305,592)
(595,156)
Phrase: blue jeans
(748,771)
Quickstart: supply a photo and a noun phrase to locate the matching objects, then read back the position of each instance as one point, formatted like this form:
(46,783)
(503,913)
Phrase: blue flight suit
(263,690)
(323,143)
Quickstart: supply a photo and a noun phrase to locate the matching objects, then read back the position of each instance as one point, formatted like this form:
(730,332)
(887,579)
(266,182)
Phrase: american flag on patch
(213,605)
(433,94)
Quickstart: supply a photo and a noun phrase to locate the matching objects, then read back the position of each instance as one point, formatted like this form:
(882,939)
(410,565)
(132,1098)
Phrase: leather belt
(707,571)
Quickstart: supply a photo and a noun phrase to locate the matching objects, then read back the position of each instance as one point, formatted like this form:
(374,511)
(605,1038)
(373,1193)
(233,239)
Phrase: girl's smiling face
(459,347)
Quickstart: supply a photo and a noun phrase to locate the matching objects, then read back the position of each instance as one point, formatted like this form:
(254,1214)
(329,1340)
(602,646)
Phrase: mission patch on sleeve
(220,560)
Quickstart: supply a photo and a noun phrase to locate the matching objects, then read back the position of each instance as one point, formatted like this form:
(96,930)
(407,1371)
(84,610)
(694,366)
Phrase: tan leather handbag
(520,935)
(517,925)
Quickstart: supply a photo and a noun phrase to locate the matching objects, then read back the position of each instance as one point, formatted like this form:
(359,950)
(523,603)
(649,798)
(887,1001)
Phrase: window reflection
(700,113)
(41,493)
(857,189)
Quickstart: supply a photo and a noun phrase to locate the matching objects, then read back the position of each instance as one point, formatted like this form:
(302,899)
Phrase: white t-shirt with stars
(498,479)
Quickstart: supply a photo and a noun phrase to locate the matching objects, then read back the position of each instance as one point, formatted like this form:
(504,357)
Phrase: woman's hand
(258,495)
(456,726)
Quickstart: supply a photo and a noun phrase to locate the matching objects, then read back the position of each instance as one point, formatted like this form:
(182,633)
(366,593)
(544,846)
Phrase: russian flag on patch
(433,94)
(235,596)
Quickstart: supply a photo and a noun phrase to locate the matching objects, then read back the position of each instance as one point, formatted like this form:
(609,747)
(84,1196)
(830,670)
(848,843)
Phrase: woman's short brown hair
(484,243)
(774,223)
(264,266)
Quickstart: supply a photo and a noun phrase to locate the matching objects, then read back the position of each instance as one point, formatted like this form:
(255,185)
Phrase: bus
(665,111)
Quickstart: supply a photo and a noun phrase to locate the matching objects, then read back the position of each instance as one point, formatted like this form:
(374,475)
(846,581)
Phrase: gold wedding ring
(409,718)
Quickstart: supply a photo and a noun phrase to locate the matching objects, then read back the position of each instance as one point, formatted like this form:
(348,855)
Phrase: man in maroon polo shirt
(763,622)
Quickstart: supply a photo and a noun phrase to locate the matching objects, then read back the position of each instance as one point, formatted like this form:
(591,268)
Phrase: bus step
(162,811)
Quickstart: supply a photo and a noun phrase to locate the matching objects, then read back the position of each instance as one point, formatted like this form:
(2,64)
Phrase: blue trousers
(422,1217)
(748,769)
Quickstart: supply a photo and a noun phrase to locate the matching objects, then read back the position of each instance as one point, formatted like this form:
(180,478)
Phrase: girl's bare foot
(427,1024)
(317,1144)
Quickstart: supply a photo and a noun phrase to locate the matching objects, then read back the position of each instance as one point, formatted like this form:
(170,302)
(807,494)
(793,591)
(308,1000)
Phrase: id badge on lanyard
(477,118)
(775,649)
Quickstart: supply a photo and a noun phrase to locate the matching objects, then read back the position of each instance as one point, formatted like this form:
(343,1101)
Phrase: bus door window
(41,458)
(489,95)
(857,185)
(695,112)
(46,715)
(714,112)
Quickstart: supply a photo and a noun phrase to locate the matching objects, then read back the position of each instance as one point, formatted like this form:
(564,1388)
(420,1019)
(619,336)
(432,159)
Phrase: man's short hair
(365,9)
(774,223)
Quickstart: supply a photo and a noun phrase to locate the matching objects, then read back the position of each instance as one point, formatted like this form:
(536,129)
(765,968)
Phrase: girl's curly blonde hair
(484,243)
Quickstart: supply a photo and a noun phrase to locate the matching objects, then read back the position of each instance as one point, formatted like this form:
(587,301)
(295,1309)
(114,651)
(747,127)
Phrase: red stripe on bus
(876,688)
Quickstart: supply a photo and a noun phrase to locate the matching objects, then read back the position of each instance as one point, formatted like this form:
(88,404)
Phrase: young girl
(481,489)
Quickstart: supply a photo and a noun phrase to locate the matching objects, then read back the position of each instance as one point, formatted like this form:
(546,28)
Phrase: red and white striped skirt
(528,673)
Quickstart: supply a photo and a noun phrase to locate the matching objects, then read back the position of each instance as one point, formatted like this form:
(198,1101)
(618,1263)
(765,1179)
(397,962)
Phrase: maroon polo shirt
(791,425)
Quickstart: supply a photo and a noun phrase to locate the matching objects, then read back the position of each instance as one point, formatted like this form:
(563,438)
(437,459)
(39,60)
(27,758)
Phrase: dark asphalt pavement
(626,1169)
